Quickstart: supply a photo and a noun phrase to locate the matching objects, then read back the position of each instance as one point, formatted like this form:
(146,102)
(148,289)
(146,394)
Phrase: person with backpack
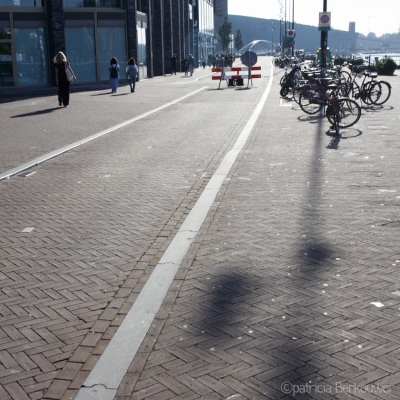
(114,74)
(132,71)
(185,66)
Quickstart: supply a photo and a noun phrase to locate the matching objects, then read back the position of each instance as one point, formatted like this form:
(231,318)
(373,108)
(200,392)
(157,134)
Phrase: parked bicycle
(369,91)
(289,80)
(341,112)
(311,77)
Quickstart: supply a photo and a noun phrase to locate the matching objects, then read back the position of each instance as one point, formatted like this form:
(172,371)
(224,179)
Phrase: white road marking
(106,376)
(64,149)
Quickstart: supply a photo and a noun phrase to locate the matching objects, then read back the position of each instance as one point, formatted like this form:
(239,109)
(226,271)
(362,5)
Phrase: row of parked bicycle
(337,91)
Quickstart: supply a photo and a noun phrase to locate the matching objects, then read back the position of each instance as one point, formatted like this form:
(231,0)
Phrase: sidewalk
(291,287)
(294,289)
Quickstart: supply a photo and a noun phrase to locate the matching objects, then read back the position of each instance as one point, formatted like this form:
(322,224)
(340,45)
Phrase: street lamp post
(272,43)
(293,28)
(324,40)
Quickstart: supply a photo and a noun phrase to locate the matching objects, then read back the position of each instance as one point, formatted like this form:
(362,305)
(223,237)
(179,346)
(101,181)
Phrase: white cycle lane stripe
(55,153)
(106,376)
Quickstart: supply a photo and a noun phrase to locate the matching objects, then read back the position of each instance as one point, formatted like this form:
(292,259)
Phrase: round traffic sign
(324,19)
(249,58)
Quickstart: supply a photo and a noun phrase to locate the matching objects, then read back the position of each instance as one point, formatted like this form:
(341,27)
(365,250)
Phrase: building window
(80,49)
(22,3)
(6,61)
(111,41)
(141,28)
(31,49)
(6,65)
(88,32)
(92,3)
(80,45)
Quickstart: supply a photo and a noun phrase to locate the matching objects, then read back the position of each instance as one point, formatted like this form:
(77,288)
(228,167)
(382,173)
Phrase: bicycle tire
(366,93)
(345,77)
(296,93)
(306,102)
(380,92)
(333,118)
(349,112)
(353,90)
(284,91)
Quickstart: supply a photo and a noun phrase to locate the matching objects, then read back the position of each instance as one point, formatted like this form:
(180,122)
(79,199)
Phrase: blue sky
(378,16)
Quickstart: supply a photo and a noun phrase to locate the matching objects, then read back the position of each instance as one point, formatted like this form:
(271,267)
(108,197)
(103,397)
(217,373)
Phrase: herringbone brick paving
(281,291)
(278,288)
(98,219)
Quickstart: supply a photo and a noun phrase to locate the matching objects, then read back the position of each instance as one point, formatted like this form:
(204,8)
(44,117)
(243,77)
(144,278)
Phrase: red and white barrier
(235,73)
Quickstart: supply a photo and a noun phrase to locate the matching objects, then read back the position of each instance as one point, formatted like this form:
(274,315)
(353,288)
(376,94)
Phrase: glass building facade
(204,29)
(23,48)
(90,32)
(91,36)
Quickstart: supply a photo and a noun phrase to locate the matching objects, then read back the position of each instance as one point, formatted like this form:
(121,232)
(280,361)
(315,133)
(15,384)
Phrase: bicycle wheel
(366,93)
(333,116)
(308,101)
(296,93)
(284,91)
(345,77)
(380,92)
(353,90)
(348,113)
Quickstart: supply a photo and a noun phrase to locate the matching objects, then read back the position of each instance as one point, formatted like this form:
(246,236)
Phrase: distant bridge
(259,47)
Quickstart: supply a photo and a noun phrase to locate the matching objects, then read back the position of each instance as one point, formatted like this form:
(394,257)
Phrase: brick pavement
(283,293)
(278,287)
(80,236)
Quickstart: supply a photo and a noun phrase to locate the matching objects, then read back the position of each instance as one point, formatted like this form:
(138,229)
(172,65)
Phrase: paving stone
(302,238)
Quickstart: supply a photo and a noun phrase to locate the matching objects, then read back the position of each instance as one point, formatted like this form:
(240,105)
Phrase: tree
(238,40)
(386,66)
(224,32)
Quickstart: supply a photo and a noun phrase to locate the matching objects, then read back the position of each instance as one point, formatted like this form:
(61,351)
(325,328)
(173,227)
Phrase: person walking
(191,64)
(63,67)
(132,71)
(185,66)
(114,74)
(214,61)
(173,64)
(203,61)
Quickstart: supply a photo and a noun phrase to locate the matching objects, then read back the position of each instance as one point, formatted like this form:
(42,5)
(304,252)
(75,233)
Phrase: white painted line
(106,376)
(64,149)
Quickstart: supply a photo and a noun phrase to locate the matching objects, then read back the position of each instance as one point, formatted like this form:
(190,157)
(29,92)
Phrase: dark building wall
(176,31)
(55,32)
(168,40)
(158,37)
(131,33)
(172,33)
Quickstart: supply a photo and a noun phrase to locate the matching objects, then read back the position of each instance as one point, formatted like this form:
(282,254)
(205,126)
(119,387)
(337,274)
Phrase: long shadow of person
(39,112)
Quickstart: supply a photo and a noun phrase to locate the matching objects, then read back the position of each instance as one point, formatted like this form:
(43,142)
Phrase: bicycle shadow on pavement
(310,118)
(375,108)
